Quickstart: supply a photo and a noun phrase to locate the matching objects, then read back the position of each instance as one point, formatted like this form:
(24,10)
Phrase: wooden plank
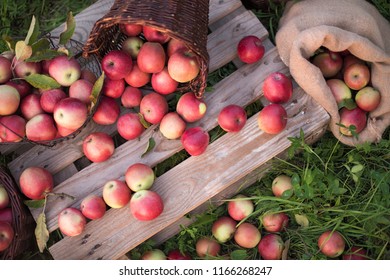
(221,8)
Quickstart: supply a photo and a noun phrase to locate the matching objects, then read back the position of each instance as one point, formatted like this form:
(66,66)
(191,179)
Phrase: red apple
(93,207)
(130,29)
(355,253)
(132,45)
(352,120)
(152,34)
(207,247)
(223,228)
(175,45)
(35,182)
(71,221)
(331,244)
(277,88)
(163,83)
(7,234)
(9,100)
(280,184)
(368,98)
(64,70)
(153,107)
(191,108)
(240,207)
(349,60)
(250,49)
(12,128)
(137,78)
(272,119)
(357,76)
(271,247)
(154,254)
(275,222)
(98,146)
(113,88)
(131,97)
(195,140)
(116,64)
(41,128)
(22,86)
(129,126)
(183,66)
(30,105)
(4,198)
(23,69)
(232,118)
(82,90)
(176,254)
(6,215)
(247,235)
(5,70)
(49,99)
(340,91)
(329,63)
(146,205)
(70,113)
(116,193)
(172,126)
(87,74)
(139,176)
(107,111)
(151,57)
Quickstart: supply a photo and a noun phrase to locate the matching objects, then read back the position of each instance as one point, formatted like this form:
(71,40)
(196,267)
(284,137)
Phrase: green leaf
(41,232)
(40,45)
(22,51)
(41,81)
(357,168)
(347,103)
(96,89)
(238,255)
(35,203)
(43,55)
(33,32)
(9,41)
(149,147)
(143,121)
(70,26)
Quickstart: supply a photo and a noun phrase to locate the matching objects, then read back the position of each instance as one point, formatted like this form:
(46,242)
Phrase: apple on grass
(146,205)
(41,128)
(7,234)
(250,49)
(151,57)
(131,97)
(130,29)
(281,184)
(368,98)
(247,235)
(172,126)
(12,128)
(107,111)
(191,108)
(232,118)
(153,34)
(272,119)
(82,90)
(132,45)
(5,70)
(137,78)
(355,253)
(329,63)
(223,229)
(357,76)
(71,221)
(4,198)
(271,247)
(116,194)
(153,107)
(64,70)
(9,100)
(116,64)
(154,254)
(49,99)
(275,222)
(30,105)
(70,113)
(93,207)
(35,182)
(98,146)
(240,207)
(139,176)
(206,247)
(113,88)
(183,66)
(195,140)
(277,88)
(331,243)
(163,83)
(352,121)
(129,126)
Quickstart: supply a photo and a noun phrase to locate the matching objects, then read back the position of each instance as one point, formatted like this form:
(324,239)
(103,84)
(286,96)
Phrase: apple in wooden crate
(71,221)
(277,88)
(195,140)
(116,193)
(172,126)
(93,207)
(35,182)
(146,205)
(272,119)
(139,176)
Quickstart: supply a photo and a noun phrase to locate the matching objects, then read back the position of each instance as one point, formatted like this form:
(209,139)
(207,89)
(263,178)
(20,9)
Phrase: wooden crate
(231,162)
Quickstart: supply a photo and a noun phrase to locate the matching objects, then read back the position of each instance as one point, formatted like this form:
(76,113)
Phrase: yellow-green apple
(151,57)
(71,221)
(272,119)
(130,29)
(131,97)
(183,66)
(98,146)
(137,78)
(70,113)
(153,254)
(9,100)
(368,98)
(250,49)
(113,88)
(23,69)
(41,128)
(163,83)
(176,254)
(329,63)
(247,235)
(340,91)
(232,118)
(275,222)
(357,76)
(331,243)
(207,247)
(195,140)
(30,105)
(5,70)
(82,90)
(240,207)
(271,247)
(172,126)
(6,215)
(116,193)
(116,64)
(129,126)
(4,197)
(87,74)
(7,234)
(191,108)
(223,229)
(349,60)
(152,34)
(277,88)
(354,120)
(146,205)
(35,182)
(50,97)
(132,45)
(93,207)
(355,253)
(12,128)
(139,176)
(107,111)
(153,107)
(22,86)
(64,70)
(175,45)
(280,184)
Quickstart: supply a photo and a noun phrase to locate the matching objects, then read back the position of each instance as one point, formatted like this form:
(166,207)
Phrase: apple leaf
(302,220)
(40,45)
(239,255)
(149,147)
(96,89)
(22,51)
(143,121)
(347,103)
(43,55)
(9,41)
(41,81)
(41,232)
(35,203)
(33,32)
(70,26)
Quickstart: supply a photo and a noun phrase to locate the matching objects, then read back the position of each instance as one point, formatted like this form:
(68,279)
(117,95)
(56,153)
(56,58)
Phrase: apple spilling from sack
(349,80)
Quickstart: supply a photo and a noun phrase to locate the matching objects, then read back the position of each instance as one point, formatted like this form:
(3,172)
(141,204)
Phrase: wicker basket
(22,223)
(183,20)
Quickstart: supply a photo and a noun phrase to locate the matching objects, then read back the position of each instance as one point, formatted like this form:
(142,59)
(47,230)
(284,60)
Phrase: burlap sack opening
(338,25)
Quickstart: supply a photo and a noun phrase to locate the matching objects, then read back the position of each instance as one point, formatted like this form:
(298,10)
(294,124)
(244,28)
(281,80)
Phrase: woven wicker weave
(22,223)
(183,20)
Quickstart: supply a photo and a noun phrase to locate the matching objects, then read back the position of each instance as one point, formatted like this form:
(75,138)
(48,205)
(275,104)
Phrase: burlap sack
(338,25)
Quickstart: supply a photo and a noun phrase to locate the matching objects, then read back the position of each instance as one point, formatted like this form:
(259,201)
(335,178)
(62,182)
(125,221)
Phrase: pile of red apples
(7,232)
(349,79)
